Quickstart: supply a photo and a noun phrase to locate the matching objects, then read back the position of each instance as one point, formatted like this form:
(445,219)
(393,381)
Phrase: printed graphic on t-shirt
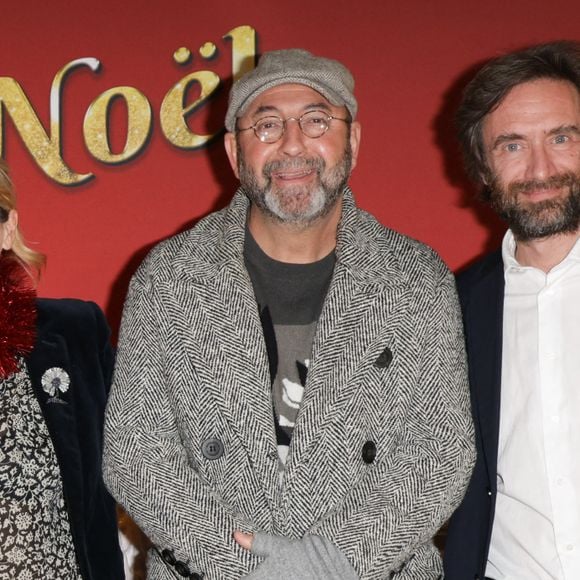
(294,345)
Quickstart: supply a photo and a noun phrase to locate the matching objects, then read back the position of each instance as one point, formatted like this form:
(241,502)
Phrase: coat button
(196,576)
(369,452)
(212,449)
(384,359)
(182,569)
(168,557)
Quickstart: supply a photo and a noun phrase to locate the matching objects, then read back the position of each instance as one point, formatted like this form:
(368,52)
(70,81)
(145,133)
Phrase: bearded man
(519,124)
(290,399)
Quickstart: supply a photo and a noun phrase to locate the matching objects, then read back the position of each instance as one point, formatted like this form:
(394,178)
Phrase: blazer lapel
(50,352)
(484,323)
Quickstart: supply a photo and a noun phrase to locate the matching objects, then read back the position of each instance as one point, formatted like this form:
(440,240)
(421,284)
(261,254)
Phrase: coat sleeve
(388,516)
(145,463)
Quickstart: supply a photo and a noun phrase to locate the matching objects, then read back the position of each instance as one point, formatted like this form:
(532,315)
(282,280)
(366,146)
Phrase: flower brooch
(55,381)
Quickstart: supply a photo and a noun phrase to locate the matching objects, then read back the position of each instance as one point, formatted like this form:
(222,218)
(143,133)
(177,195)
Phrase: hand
(244,540)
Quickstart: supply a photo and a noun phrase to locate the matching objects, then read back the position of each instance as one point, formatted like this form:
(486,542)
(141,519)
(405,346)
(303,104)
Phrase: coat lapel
(366,298)
(222,326)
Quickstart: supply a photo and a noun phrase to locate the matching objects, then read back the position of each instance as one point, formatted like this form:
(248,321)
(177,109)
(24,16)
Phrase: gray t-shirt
(290,299)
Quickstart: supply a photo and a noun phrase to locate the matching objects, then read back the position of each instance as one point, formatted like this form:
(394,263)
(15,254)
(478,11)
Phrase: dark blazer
(481,293)
(74,336)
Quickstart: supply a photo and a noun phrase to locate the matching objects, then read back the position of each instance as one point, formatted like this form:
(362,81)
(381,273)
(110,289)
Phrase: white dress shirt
(536,531)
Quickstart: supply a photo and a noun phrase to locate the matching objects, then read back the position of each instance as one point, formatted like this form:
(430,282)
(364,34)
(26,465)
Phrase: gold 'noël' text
(46,147)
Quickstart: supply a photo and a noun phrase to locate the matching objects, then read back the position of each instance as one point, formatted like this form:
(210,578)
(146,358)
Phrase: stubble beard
(549,217)
(297,205)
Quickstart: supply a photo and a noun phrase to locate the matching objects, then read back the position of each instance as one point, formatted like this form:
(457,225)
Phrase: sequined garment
(35,537)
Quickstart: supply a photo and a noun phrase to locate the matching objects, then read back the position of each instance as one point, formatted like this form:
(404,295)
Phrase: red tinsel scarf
(17,314)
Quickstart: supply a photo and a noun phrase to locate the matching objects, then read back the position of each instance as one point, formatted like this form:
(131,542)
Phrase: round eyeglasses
(313,124)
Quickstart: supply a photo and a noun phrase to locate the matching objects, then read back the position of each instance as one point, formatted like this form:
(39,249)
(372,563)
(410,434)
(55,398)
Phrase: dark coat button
(212,449)
(182,569)
(369,452)
(168,557)
(384,359)
(196,576)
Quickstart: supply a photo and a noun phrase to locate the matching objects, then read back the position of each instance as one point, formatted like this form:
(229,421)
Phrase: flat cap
(292,66)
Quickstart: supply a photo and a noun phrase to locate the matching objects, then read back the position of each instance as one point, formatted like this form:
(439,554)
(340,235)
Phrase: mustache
(558,181)
(293,164)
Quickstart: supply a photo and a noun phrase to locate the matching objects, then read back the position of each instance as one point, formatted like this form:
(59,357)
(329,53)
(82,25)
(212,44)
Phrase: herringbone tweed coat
(388,366)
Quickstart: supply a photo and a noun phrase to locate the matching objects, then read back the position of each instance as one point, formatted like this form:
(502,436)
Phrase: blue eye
(512,147)
(560,139)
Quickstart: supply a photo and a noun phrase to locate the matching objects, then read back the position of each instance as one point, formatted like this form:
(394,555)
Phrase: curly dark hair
(554,60)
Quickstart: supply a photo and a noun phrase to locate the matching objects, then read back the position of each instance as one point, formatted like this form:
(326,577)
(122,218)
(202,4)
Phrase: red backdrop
(410,60)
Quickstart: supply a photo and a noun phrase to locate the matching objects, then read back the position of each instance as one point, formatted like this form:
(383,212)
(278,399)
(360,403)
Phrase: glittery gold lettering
(45,150)
(243,50)
(174,112)
(95,127)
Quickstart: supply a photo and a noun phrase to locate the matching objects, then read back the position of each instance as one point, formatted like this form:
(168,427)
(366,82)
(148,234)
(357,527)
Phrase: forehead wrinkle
(321,105)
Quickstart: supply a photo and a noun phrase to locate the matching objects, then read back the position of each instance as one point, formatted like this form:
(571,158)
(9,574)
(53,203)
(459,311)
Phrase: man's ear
(354,141)
(10,226)
(231,146)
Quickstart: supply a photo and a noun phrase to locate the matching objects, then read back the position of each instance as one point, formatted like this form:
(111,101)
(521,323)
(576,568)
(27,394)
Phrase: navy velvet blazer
(74,336)
(481,293)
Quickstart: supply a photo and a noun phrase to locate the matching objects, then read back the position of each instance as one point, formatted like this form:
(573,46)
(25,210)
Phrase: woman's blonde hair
(31,260)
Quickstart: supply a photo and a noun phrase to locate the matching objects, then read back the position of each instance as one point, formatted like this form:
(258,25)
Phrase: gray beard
(544,218)
(296,205)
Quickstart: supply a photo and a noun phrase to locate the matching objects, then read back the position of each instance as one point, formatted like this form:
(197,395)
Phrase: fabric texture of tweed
(388,367)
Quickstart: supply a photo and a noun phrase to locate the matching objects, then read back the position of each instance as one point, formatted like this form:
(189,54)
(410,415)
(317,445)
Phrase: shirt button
(560,481)
(569,547)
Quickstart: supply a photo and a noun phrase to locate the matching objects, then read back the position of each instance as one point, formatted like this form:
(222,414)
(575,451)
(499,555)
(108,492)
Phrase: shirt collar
(508,252)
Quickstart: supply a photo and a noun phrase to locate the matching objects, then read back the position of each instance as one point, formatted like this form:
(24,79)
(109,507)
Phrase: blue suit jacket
(481,293)
(74,336)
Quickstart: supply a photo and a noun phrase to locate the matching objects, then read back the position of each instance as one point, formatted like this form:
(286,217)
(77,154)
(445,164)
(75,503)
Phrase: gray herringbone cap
(280,67)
